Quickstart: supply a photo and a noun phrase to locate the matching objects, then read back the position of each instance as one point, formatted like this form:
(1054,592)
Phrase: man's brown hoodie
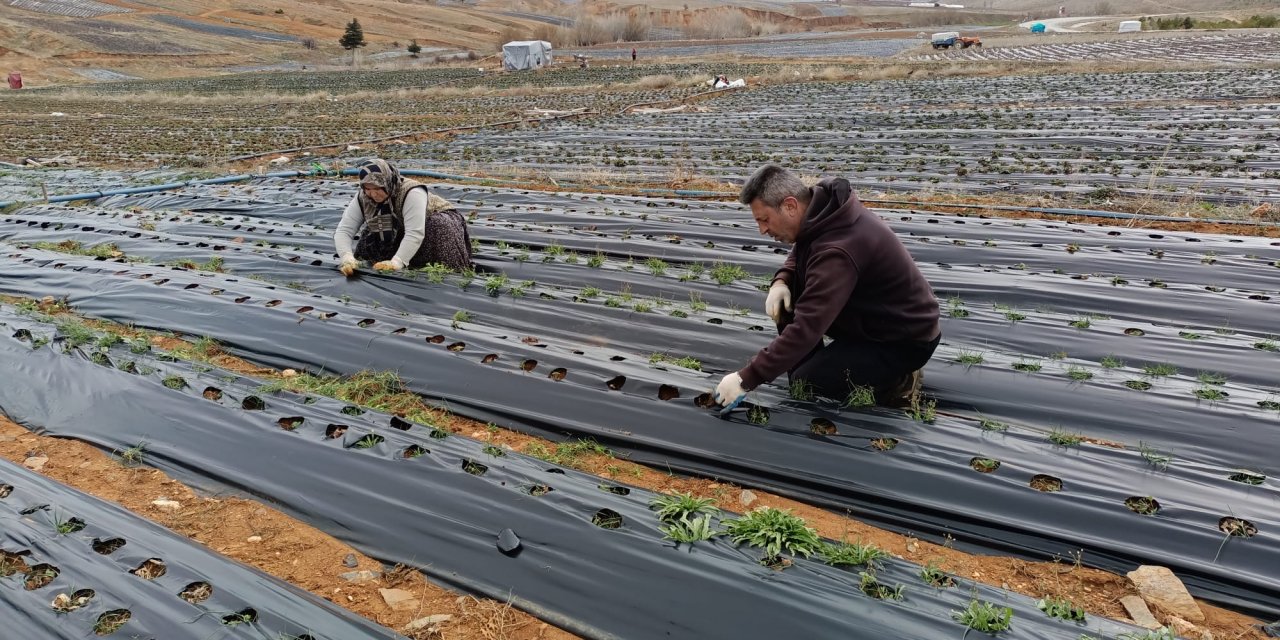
(851,278)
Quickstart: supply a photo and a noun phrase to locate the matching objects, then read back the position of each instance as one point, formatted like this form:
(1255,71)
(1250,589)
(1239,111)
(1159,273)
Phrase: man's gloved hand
(779,298)
(348,265)
(729,390)
(389,265)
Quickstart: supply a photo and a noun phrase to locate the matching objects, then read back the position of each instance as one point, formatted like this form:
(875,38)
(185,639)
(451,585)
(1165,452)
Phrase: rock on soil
(1160,588)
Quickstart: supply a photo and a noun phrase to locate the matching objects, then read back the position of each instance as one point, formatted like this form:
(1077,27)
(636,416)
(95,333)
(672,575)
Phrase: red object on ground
(15,80)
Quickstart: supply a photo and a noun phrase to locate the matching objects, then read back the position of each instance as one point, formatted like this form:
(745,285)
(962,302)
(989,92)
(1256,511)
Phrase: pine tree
(414,48)
(354,37)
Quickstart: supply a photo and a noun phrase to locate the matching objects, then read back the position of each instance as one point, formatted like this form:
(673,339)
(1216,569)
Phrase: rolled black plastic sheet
(925,483)
(474,517)
(74,566)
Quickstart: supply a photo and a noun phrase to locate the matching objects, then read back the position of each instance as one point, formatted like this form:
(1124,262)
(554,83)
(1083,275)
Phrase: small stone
(746,497)
(167,505)
(399,599)
(360,576)
(289,373)
(48,300)
(350,561)
(1183,628)
(509,543)
(427,622)
(1138,610)
(1158,586)
(254,539)
(35,463)
(912,546)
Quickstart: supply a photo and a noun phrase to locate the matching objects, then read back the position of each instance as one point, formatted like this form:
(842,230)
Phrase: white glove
(778,298)
(729,390)
(348,265)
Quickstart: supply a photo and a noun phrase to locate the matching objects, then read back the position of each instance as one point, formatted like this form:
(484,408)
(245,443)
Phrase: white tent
(526,54)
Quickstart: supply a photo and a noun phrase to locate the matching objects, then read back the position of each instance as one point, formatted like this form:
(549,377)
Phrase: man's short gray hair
(771,184)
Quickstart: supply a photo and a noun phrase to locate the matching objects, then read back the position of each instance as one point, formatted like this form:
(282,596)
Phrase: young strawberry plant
(776,532)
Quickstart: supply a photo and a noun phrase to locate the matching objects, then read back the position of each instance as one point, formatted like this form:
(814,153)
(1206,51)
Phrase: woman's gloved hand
(389,265)
(348,265)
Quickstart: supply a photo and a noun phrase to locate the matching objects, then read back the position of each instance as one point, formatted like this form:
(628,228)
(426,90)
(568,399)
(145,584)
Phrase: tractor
(948,39)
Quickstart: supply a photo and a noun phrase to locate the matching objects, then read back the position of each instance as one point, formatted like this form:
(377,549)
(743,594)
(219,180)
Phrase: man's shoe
(905,393)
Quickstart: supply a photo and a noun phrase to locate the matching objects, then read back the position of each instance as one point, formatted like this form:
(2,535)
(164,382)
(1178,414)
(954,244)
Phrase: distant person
(848,277)
(633,54)
(400,225)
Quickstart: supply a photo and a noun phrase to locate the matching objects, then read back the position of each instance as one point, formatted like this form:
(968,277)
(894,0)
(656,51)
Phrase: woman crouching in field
(400,225)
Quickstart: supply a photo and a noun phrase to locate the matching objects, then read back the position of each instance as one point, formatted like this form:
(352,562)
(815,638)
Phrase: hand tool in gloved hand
(730,387)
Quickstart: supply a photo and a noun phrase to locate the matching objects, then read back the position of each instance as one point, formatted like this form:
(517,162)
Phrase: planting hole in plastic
(253,403)
(366,322)
(196,592)
(884,444)
(191,286)
(39,576)
(400,424)
(243,616)
(72,525)
(111,621)
(275,303)
(536,490)
(615,383)
(1046,483)
(615,490)
(489,357)
(607,519)
(529,365)
(457,346)
(305,309)
(212,393)
(822,427)
(290,423)
(368,441)
(558,374)
(1144,505)
(5,490)
(401,331)
(617,358)
(151,569)
(668,392)
(437,339)
(1134,332)
(415,451)
(704,400)
(108,546)
(1237,527)
(984,465)
(352,410)
(474,468)
(242,299)
(334,431)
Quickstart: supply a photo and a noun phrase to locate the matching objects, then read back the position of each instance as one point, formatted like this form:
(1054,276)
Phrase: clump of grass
(1082,322)
(988,424)
(775,531)
(493,451)
(934,576)
(1078,373)
(728,273)
(696,304)
(1014,316)
(671,508)
(955,308)
(1190,335)
(853,555)
(688,362)
(574,454)
(175,382)
(656,266)
(758,415)
(1267,345)
(860,396)
(985,617)
(1062,609)
(460,316)
(75,334)
(1160,370)
(1164,633)
(872,587)
(1027,366)
(436,272)
(1210,393)
(1138,385)
(1210,378)
(590,292)
(494,284)
(968,358)
(596,261)
(1252,478)
(800,389)
(1064,439)
(1112,362)
(925,411)
(1153,457)
(132,456)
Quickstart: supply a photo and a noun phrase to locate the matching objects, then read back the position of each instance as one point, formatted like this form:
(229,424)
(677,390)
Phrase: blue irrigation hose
(689,193)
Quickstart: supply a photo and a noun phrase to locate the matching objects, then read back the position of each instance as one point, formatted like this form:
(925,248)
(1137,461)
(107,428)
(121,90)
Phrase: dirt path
(269,540)
(1098,592)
